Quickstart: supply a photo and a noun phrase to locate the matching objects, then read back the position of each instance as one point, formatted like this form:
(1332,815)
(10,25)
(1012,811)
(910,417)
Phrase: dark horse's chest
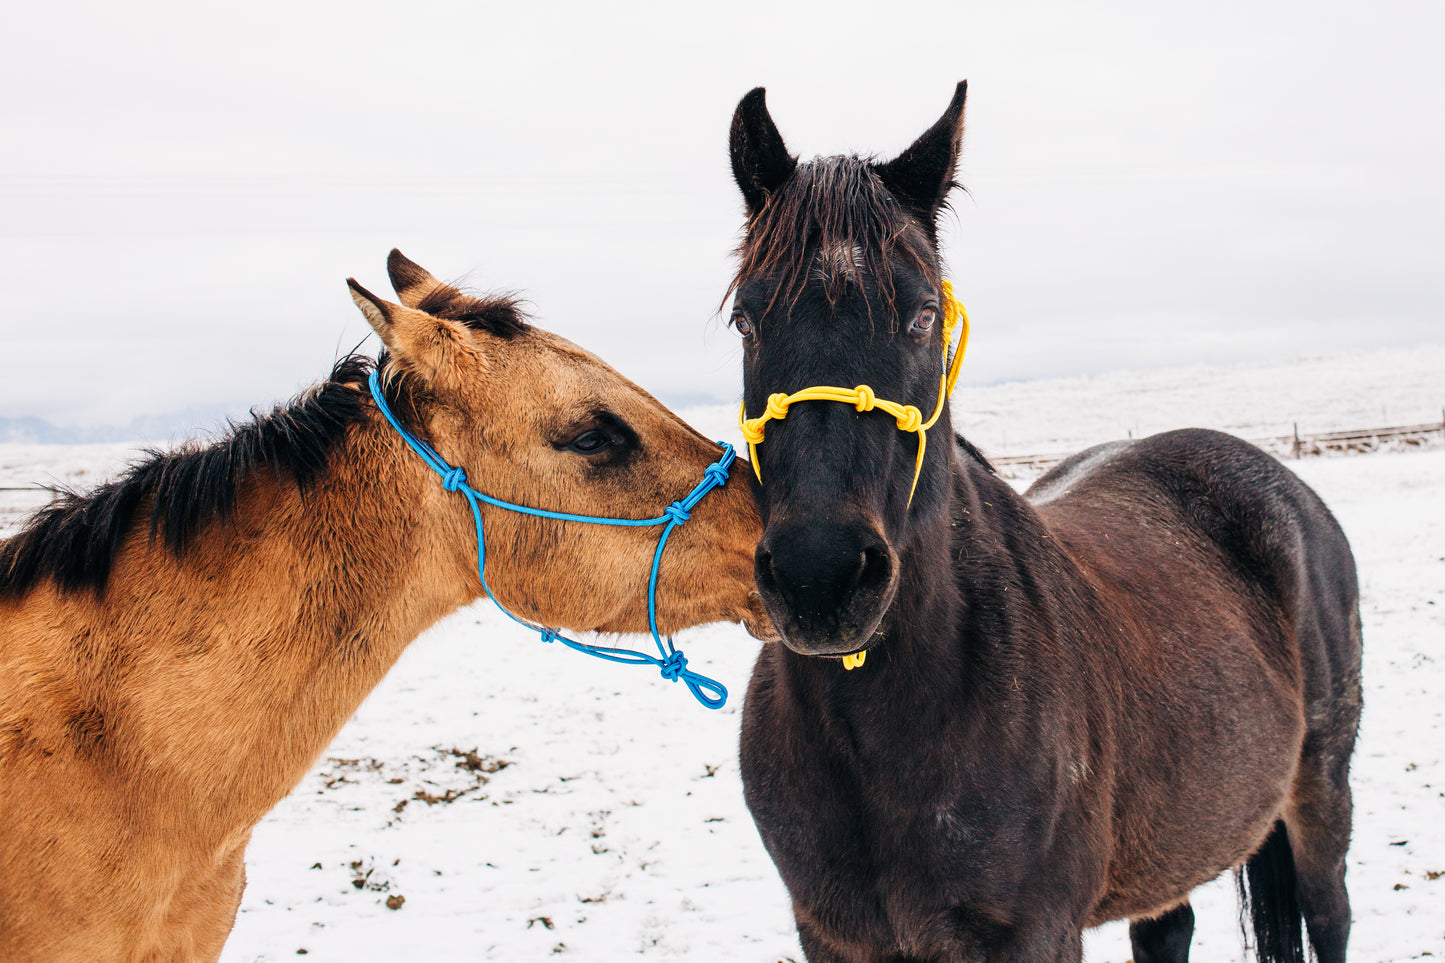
(923,846)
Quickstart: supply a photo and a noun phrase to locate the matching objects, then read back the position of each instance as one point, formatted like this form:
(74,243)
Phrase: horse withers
(178,646)
(1074,705)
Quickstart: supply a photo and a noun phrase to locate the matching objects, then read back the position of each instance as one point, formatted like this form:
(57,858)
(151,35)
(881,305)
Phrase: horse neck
(952,637)
(255,647)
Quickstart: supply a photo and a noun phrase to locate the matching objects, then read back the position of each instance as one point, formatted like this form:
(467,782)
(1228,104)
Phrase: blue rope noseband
(672,663)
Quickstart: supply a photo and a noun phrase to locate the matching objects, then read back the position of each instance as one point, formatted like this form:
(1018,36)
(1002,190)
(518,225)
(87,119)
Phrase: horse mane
(498,314)
(833,204)
(74,541)
(971,450)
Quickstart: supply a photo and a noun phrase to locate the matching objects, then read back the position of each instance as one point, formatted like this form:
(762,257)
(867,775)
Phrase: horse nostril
(876,568)
(763,573)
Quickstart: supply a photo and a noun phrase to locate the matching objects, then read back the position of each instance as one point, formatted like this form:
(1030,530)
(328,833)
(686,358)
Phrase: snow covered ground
(497,799)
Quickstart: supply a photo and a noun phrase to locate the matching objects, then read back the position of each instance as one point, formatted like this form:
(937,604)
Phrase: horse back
(1211,496)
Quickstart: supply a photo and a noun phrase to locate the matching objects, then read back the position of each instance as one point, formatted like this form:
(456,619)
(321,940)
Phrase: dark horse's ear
(921,177)
(761,162)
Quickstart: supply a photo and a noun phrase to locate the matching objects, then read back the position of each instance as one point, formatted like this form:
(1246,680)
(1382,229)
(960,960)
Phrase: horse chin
(850,632)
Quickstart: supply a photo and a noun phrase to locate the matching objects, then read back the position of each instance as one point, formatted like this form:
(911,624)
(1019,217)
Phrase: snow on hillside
(515,801)
(1255,400)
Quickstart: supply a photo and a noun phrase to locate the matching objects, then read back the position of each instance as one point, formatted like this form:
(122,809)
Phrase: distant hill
(171,426)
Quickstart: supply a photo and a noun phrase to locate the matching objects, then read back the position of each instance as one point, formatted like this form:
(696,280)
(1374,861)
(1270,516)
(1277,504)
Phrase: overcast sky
(183,188)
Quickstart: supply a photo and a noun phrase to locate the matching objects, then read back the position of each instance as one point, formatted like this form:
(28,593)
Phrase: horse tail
(1269,901)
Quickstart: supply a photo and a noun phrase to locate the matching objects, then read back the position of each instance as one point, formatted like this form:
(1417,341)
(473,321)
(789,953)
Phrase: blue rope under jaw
(672,663)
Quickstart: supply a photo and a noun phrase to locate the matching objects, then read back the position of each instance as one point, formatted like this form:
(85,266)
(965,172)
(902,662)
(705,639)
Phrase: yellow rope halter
(909,418)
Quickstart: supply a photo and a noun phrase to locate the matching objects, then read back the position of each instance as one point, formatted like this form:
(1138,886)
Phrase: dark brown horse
(1077,704)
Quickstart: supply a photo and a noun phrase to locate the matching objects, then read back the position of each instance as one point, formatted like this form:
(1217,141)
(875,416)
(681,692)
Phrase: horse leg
(1318,819)
(1319,810)
(1164,938)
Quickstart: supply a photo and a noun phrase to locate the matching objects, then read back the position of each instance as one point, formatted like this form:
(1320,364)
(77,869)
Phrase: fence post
(1295,448)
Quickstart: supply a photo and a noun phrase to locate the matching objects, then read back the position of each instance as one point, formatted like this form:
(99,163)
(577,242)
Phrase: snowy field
(497,799)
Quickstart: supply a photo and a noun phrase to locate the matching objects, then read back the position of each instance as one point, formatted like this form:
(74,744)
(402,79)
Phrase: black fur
(922,175)
(760,161)
(499,315)
(175,494)
(1165,938)
(1269,899)
(1077,704)
(834,204)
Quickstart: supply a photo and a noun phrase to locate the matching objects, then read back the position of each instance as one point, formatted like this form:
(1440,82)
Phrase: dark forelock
(828,204)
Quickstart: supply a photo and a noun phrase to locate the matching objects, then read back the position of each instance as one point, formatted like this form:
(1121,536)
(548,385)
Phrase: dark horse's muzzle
(826,586)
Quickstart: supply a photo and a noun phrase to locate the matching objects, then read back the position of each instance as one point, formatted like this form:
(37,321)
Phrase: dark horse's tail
(1270,902)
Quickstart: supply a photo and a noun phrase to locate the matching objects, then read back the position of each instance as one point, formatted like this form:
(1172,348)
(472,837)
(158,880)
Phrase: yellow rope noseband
(909,418)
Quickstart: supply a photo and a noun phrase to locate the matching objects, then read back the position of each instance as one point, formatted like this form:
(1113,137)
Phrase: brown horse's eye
(743,325)
(590,442)
(603,438)
(924,320)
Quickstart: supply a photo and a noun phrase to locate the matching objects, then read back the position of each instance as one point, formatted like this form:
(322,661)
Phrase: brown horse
(1076,704)
(178,646)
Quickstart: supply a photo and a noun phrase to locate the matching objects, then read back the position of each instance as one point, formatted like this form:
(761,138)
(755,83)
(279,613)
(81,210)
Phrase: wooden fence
(1296,445)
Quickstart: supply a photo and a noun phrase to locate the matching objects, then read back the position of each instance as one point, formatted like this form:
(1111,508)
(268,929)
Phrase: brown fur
(147,728)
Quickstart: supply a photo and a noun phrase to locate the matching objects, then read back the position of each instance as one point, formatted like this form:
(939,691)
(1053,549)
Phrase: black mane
(971,450)
(498,314)
(75,540)
(833,203)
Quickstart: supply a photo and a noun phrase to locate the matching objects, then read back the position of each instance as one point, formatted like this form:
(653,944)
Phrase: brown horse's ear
(761,162)
(410,280)
(921,177)
(433,348)
(377,311)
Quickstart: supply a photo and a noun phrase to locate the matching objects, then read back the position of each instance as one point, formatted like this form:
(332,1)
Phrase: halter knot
(777,405)
(549,635)
(753,431)
(454,479)
(673,666)
(716,474)
(910,419)
(677,513)
(866,398)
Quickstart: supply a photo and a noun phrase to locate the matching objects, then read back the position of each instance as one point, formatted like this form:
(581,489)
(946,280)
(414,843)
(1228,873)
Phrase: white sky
(183,188)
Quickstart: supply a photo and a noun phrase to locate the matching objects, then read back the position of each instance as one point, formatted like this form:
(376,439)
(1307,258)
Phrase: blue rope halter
(672,662)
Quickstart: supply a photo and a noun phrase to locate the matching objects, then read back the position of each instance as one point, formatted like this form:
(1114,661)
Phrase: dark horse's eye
(590,442)
(926,317)
(743,325)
